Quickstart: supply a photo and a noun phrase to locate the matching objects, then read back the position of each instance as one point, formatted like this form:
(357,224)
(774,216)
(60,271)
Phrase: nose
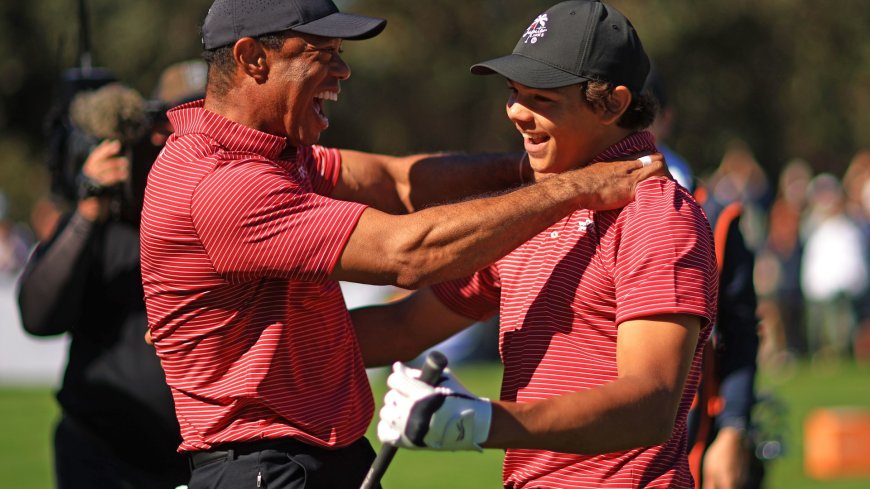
(516,111)
(339,68)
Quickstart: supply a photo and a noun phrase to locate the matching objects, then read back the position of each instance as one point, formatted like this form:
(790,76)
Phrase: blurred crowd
(15,241)
(810,233)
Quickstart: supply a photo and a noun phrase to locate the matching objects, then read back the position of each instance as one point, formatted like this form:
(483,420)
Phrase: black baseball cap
(228,21)
(573,42)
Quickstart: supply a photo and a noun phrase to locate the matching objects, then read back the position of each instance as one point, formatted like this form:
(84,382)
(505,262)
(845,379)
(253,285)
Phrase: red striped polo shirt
(238,241)
(562,295)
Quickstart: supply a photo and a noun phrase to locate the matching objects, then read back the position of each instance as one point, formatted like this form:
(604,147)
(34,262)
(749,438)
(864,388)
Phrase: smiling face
(302,74)
(560,130)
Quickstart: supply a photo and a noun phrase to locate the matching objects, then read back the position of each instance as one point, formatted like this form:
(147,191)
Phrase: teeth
(327,95)
(535,138)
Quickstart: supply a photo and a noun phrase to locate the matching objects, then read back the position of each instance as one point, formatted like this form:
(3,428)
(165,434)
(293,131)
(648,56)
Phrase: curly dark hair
(639,114)
(221,65)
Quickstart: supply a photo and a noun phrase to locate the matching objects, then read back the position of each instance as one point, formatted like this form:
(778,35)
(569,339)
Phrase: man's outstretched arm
(399,185)
(451,241)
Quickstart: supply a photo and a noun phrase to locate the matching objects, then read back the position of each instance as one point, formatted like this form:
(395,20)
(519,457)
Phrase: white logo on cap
(536,30)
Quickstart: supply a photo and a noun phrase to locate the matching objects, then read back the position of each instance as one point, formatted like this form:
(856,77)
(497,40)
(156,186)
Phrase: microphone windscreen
(113,111)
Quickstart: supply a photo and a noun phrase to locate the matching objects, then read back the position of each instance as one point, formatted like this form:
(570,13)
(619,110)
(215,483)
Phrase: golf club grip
(434,364)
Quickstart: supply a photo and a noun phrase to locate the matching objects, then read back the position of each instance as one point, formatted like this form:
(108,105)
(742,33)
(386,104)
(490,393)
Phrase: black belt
(231,451)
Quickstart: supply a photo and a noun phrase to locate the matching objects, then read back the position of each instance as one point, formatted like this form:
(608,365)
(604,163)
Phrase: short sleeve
(663,256)
(475,297)
(254,220)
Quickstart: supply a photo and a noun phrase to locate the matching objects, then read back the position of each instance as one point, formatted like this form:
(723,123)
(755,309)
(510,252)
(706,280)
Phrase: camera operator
(118,427)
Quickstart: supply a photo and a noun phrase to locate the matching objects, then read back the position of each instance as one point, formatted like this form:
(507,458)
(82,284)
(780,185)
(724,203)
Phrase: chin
(541,166)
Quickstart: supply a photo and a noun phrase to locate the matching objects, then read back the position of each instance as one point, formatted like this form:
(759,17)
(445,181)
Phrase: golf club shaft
(435,363)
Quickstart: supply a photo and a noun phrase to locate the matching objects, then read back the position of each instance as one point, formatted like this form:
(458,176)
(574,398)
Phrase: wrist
(482,421)
(87,187)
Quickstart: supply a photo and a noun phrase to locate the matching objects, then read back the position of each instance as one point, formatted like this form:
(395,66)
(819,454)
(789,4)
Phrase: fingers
(400,367)
(651,160)
(653,165)
(402,382)
(389,426)
(395,411)
(105,166)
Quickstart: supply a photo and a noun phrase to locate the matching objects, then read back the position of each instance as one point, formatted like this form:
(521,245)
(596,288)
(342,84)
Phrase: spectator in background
(719,420)
(778,268)
(661,129)
(739,178)
(13,244)
(834,271)
(117,426)
(175,87)
(856,183)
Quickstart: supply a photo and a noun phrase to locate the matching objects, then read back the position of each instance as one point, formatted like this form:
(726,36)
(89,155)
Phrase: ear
(250,57)
(616,105)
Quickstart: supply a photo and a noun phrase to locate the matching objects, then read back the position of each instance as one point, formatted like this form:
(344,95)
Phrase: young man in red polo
(602,315)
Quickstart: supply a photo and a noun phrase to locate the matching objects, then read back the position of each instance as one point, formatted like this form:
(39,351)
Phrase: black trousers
(281,464)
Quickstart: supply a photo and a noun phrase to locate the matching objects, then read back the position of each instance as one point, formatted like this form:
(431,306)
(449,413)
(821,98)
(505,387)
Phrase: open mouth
(318,104)
(535,143)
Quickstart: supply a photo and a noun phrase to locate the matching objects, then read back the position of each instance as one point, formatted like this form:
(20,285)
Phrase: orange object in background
(837,443)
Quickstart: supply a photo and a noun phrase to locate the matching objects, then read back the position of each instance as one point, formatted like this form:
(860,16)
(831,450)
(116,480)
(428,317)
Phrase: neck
(602,141)
(242,107)
(614,135)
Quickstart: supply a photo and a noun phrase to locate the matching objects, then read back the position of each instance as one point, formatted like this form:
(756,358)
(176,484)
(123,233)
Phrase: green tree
(789,77)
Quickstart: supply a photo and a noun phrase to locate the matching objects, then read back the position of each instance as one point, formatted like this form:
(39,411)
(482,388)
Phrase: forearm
(50,291)
(618,416)
(438,179)
(636,409)
(451,241)
(399,185)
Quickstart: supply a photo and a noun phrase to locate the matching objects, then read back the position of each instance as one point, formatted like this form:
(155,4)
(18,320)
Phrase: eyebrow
(323,42)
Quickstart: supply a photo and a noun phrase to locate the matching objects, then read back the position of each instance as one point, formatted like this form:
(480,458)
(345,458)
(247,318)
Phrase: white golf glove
(446,417)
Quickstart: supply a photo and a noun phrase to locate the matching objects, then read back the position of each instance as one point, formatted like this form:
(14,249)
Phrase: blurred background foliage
(791,78)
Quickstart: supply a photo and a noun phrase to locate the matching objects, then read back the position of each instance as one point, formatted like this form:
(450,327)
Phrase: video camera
(89,106)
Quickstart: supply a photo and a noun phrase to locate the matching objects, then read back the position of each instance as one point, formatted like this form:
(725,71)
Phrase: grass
(804,388)
(27,417)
